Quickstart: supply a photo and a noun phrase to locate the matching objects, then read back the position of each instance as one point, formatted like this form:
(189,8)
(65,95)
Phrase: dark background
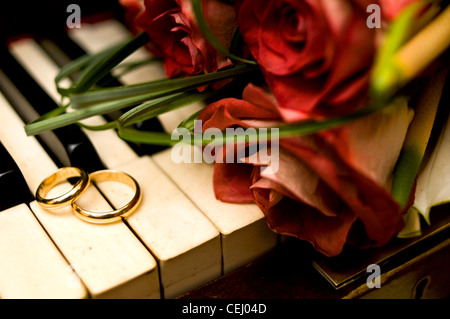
(47,16)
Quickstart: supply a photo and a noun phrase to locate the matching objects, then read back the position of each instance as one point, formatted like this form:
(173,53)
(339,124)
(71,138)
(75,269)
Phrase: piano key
(193,245)
(63,50)
(112,150)
(202,240)
(245,234)
(30,264)
(13,188)
(241,259)
(28,154)
(238,223)
(67,145)
(185,243)
(110,259)
(95,37)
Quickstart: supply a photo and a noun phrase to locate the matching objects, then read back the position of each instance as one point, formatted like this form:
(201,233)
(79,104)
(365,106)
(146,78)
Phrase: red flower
(175,37)
(316,55)
(327,185)
(391,8)
(133,8)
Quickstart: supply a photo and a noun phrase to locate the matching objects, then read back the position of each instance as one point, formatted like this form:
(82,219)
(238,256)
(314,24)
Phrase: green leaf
(42,125)
(188,123)
(113,99)
(385,74)
(102,127)
(159,106)
(78,65)
(408,165)
(314,126)
(164,104)
(298,129)
(127,67)
(103,64)
(164,86)
(144,137)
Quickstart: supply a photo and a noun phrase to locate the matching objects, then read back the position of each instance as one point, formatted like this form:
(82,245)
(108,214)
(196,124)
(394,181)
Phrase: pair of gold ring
(80,186)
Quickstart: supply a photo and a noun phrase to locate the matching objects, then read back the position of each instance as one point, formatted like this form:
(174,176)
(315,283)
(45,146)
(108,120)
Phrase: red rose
(391,8)
(316,55)
(327,185)
(175,37)
(133,8)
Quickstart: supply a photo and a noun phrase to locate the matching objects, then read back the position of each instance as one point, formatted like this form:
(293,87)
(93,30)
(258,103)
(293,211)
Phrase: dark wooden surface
(288,272)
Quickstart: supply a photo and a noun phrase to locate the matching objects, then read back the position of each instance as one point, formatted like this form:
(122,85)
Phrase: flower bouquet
(333,106)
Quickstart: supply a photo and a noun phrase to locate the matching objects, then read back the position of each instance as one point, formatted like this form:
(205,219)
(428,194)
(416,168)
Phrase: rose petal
(299,182)
(327,234)
(326,72)
(232,181)
(133,8)
(175,37)
(230,111)
(362,142)
(391,8)
(370,202)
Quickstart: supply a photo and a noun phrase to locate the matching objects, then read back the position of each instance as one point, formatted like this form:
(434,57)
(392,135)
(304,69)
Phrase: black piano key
(13,187)
(62,49)
(78,148)
(17,17)
(48,139)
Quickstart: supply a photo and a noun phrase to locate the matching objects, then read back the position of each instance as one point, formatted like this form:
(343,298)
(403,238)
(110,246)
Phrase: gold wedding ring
(117,214)
(57,178)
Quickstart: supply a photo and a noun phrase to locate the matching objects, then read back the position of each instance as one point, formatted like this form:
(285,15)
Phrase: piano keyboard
(179,238)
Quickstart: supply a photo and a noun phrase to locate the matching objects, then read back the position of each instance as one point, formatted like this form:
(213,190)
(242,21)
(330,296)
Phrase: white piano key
(185,243)
(111,261)
(245,234)
(182,262)
(14,94)
(31,158)
(30,264)
(112,150)
(95,37)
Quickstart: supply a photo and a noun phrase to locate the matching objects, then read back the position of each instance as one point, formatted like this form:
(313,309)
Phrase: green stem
(168,86)
(103,65)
